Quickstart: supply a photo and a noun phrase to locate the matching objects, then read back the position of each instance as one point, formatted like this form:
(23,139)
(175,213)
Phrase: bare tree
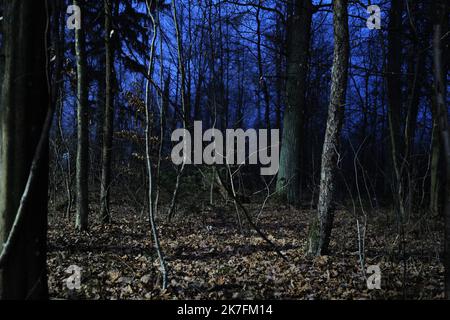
(151,206)
(441,114)
(394,93)
(108,122)
(25,120)
(320,232)
(82,163)
(181,68)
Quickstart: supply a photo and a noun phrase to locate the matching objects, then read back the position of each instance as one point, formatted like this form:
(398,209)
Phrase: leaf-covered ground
(209,258)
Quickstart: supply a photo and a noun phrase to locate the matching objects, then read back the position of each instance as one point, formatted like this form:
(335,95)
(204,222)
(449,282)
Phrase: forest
(224,150)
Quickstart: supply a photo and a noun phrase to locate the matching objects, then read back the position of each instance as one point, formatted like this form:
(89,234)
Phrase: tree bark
(435,179)
(441,114)
(320,232)
(299,33)
(82,162)
(108,122)
(23,110)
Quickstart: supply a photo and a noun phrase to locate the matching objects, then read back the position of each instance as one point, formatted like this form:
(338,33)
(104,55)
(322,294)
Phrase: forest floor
(209,258)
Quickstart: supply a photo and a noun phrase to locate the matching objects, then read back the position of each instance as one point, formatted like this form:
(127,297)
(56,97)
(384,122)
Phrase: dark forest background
(86,177)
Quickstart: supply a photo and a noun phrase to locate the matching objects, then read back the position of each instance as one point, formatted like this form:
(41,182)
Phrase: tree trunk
(321,229)
(82,181)
(299,29)
(262,78)
(394,93)
(24,105)
(2,48)
(435,182)
(279,83)
(108,122)
(441,114)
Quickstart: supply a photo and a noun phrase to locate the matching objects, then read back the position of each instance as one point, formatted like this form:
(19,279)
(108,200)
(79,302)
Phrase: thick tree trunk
(82,175)
(24,105)
(320,232)
(299,32)
(108,122)
(441,115)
